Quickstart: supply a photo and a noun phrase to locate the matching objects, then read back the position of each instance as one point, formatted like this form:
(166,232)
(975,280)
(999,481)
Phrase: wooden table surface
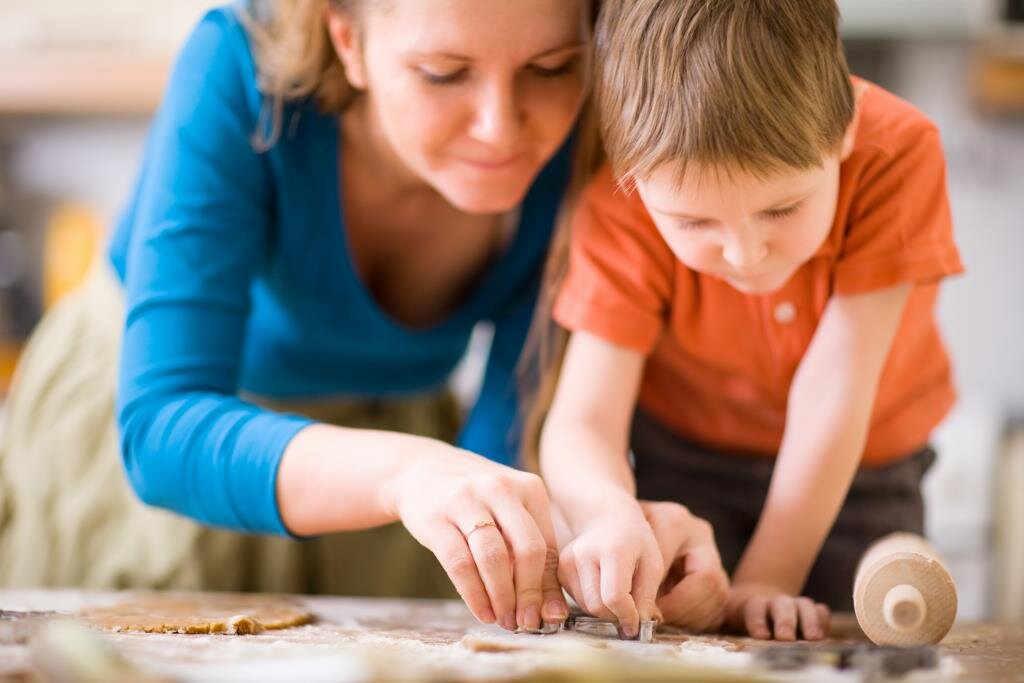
(364,640)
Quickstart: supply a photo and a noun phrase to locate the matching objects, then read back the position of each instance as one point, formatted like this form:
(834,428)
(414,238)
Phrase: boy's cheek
(700,255)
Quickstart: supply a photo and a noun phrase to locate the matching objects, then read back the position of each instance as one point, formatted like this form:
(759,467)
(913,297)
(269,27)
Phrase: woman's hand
(490,527)
(765,611)
(694,589)
(613,566)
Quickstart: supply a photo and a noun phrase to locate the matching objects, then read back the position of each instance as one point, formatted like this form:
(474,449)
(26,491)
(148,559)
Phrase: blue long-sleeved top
(237,279)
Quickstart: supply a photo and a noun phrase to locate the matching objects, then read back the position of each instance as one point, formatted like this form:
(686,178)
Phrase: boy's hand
(694,589)
(758,608)
(613,566)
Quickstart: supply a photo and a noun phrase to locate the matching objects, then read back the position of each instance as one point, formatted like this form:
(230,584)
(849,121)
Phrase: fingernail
(487,616)
(509,622)
(630,631)
(556,610)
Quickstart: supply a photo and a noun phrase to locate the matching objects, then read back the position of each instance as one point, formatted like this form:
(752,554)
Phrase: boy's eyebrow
(789,201)
(454,56)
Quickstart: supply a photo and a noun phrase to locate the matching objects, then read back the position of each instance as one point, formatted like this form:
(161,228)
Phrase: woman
(333,195)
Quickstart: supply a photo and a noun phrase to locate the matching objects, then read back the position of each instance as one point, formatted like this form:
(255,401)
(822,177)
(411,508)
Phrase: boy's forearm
(827,423)
(583,472)
(822,448)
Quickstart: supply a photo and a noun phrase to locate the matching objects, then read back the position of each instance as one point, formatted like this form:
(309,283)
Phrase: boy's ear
(860,88)
(347,41)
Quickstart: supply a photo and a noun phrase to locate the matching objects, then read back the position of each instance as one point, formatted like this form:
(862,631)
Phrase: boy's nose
(744,252)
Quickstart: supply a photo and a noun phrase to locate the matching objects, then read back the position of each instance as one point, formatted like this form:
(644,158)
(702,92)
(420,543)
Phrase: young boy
(750,295)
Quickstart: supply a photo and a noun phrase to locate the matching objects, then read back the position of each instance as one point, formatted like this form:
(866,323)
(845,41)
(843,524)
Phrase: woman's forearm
(339,479)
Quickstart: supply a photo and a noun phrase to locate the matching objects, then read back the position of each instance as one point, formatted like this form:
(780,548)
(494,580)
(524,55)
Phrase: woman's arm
(202,227)
(339,479)
(829,411)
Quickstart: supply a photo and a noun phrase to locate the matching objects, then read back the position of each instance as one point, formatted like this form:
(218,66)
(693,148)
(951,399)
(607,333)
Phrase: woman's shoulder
(218,54)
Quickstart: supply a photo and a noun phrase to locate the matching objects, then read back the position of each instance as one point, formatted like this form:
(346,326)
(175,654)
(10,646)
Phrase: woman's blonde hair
(755,85)
(295,58)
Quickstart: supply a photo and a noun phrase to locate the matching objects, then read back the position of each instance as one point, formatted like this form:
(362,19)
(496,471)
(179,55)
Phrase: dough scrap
(198,613)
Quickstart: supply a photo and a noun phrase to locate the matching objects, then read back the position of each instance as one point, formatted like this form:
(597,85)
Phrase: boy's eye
(693,225)
(781,213)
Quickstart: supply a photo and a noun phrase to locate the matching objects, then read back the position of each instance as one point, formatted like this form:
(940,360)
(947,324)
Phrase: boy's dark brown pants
(729,490)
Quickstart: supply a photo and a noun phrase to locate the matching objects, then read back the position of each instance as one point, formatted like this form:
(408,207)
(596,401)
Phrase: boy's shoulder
(604,196)
(888,124)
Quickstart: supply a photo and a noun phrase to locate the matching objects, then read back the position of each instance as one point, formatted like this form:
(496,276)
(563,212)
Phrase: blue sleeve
(200,229)
(493,426)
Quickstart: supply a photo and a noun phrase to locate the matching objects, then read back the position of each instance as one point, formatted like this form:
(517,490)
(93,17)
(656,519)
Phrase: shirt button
(785,313)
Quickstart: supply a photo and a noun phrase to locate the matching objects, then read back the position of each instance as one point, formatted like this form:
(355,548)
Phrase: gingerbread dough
(227,613)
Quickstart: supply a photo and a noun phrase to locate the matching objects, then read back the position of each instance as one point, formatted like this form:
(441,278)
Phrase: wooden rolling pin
(902,594)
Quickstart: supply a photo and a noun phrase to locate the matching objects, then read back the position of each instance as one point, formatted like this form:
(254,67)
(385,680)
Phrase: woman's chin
(484,197)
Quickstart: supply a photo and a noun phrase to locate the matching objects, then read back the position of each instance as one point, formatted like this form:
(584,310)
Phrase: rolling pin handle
(904,608)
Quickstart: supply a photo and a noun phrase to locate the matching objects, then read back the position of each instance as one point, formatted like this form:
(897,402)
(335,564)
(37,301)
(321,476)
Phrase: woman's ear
(850,136)
(347,41)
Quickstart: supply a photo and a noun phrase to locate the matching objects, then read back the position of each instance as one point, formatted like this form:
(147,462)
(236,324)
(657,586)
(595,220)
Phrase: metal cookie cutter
(604,628)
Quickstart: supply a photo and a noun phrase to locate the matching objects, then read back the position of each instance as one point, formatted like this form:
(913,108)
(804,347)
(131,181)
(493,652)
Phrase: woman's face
(473,96)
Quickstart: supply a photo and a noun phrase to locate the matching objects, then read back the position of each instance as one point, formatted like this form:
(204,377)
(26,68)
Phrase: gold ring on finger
(481,525)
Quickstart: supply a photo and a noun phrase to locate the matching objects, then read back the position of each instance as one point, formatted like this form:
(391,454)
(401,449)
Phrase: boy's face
(752,233)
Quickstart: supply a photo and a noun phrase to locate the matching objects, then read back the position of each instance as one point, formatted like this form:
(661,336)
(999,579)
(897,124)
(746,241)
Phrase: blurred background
(80,80)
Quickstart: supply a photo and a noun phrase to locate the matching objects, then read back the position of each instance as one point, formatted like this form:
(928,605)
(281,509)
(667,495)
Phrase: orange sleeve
(900,229)
(619,279)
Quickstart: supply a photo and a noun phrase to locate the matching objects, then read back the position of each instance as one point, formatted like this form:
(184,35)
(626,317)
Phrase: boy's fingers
(825,617)
(569,577)
(783,613)
(697,602)
(755,617)
(616,584)
(811,625)
(646,581)
(590,587)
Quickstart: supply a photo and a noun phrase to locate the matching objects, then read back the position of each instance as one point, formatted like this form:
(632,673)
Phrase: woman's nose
(498,118)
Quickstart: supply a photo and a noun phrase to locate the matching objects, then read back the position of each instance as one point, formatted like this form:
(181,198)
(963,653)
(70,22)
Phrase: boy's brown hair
(758,85)
(755,85)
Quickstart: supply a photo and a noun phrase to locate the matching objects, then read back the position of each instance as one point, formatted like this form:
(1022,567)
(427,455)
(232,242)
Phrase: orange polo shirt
(720,362)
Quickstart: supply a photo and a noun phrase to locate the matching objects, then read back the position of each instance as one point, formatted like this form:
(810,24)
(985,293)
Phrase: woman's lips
(494,164)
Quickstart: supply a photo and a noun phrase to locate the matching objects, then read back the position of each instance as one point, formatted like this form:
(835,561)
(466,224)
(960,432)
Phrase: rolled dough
(227,613)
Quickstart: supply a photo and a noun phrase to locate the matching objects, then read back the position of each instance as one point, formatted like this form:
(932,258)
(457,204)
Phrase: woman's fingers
(491,556)
(553,607)
(530,559)
(450,547)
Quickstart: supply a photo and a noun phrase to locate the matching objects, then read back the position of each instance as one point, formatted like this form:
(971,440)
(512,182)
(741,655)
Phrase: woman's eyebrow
(456,57)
